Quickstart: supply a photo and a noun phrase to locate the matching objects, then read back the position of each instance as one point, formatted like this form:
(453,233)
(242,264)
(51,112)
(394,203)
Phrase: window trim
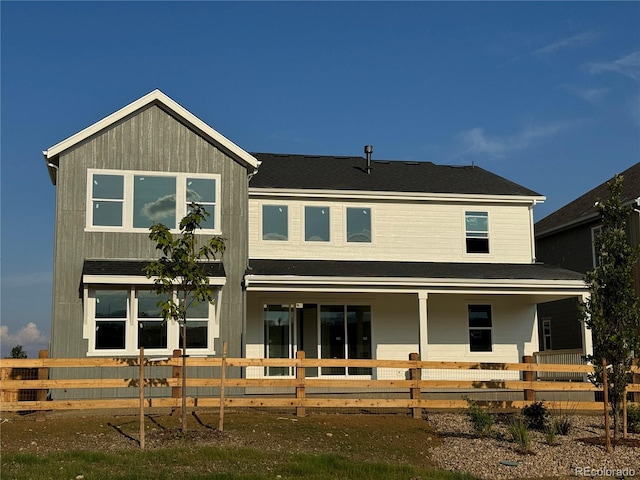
(545,322)
(128,200)
(132,326)
(490,329)
(346,224)
(274,204)
(331,239)
(467,232)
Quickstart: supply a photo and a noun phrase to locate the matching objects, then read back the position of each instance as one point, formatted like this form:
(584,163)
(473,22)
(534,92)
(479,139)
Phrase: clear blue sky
(546,94)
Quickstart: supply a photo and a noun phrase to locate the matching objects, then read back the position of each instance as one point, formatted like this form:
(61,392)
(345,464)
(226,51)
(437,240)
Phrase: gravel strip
(573,455)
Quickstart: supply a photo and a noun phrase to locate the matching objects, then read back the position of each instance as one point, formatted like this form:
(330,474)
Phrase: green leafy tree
(180,269)
(612,312)
(18,352)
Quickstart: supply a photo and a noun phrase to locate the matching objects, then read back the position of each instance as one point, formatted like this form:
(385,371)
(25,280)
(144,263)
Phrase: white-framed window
(476,232)
(358,224)
(317,224)
(480,328)
(275,222)
(546,333)
(120,319)
(134,200)
(595,233)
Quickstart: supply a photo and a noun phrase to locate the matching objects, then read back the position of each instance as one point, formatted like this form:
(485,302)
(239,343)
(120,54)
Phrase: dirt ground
(393,438)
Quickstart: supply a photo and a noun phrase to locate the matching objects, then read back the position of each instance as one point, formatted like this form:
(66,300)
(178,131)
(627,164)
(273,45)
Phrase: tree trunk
(184,375)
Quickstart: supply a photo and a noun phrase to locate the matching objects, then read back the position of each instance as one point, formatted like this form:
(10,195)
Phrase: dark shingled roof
(136,267)
(474,271)
(583,208)
(349,173)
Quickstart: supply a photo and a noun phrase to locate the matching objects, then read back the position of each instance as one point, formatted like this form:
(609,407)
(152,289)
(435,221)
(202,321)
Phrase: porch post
(587,342)
(422,309)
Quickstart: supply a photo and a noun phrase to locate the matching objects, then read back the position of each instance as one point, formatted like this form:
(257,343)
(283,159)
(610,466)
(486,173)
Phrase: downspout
(533,231)
(243,334)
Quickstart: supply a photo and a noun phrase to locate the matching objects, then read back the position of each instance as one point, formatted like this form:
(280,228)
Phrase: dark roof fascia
(136,268)
(393,269)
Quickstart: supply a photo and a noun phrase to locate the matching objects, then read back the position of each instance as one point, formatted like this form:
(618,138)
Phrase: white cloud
(163,207)
(475,141)
(579,40)
(29,336)
(629,66)
(591,95)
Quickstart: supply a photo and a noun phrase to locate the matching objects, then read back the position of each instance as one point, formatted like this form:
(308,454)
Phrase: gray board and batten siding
(150,139)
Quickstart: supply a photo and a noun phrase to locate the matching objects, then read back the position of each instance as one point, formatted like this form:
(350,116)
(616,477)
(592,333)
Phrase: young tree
(612,310)
(18,352)
(179,276)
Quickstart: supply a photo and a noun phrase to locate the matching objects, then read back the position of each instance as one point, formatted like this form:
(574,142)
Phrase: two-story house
(342,257)
(566,238)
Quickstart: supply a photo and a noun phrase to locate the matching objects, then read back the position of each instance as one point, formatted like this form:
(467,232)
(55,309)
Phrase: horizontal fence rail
(299,389)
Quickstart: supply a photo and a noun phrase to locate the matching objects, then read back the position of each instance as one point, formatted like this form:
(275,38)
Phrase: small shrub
(519,430)
(480,418)
(537,415)
(633,418)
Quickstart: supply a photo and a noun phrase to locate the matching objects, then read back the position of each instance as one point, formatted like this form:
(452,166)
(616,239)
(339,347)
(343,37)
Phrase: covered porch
(387,310)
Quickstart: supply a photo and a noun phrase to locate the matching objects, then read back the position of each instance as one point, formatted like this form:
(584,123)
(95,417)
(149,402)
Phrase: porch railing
(560,357)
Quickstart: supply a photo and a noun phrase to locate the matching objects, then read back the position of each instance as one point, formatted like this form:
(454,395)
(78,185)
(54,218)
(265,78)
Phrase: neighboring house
(343,257)
(565,239)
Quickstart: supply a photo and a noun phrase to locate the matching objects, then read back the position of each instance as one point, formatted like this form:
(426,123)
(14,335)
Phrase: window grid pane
(275,222)
(316,224)
(154,201)
(359,225)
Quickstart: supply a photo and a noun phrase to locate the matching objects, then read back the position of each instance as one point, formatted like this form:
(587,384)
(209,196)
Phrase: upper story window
(480,328)
(108,197)
(275,222)
(317,224)
(358,224)
(477,232)
(131,201)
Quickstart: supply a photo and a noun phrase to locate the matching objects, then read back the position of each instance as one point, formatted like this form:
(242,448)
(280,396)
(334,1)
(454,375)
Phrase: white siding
(410,231)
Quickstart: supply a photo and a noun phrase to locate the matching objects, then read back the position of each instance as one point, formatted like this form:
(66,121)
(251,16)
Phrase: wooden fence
(410,392)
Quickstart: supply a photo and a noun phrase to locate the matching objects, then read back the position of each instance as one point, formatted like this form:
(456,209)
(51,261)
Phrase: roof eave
(389,194)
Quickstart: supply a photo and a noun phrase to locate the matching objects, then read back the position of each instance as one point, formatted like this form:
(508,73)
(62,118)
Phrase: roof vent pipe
(368,150)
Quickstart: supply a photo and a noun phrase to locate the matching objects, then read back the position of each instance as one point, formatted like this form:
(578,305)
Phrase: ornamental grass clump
(481,419)
(518,428)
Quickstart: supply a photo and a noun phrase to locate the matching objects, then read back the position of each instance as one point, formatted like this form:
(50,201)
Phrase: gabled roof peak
(154,97)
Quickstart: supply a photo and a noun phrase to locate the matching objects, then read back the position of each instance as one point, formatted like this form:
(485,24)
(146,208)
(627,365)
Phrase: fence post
(605,391)
(414,392)
(528,376)
(176,373)
(141,393)
(41,395)
(300,387)
(635,379)
(223,375)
